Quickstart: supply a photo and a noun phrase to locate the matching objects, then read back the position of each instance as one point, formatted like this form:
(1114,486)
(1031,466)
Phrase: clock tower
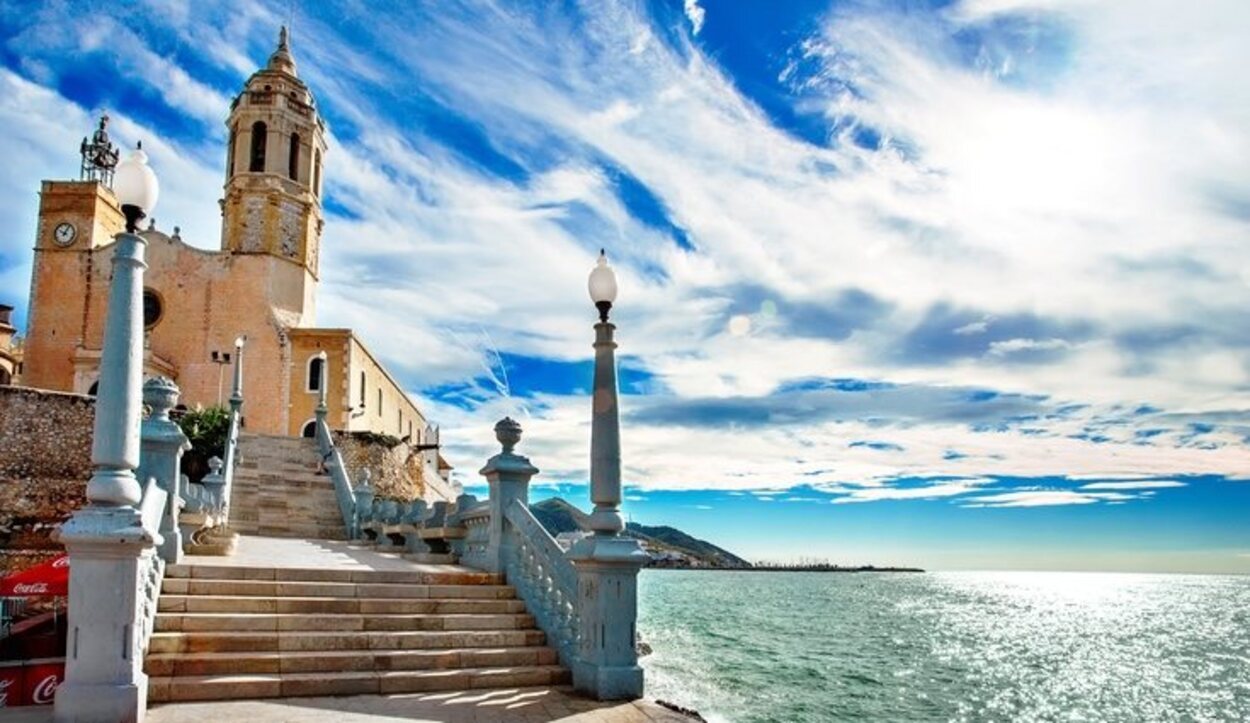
(272,203)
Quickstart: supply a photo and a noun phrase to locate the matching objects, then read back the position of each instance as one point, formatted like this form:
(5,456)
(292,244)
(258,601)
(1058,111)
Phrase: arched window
(234,132)
(310,429)
(95,388)
(292,161)
(363,390)
(5,377)
(379,401)
(316,180)
(260,134)
(314,374)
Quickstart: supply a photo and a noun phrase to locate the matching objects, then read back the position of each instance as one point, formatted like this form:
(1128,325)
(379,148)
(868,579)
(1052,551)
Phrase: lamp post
(110,550)
(607,562)
(222,360)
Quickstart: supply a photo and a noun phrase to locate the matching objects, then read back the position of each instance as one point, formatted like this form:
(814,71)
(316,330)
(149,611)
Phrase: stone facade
(45,462)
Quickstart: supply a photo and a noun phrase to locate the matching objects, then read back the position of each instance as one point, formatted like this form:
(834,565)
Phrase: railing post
(364,500)
(607,562)
(509,477)
(162,444)
(110,551)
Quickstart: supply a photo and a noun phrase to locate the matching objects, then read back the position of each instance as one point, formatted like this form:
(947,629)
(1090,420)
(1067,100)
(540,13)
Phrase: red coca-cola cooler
(12,683)
(41,679)
(30,682)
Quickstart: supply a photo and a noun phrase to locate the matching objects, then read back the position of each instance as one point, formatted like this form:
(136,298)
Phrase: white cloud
(695,14)
(1043,498)
(1134,485)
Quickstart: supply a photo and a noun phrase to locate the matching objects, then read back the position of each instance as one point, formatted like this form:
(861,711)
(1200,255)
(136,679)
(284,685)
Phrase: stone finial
(508,432)
(161,395)
(366,478)
(215,464)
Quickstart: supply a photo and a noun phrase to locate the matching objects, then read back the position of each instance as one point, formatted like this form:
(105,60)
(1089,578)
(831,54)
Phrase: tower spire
(281,59)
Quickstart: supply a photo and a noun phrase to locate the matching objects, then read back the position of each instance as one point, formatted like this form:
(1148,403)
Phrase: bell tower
(272,203)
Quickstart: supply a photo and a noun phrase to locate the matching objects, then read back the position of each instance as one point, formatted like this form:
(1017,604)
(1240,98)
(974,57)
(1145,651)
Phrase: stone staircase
(255,632)
(278,491)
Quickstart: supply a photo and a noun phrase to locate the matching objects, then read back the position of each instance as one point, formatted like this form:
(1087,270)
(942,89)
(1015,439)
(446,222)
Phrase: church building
(261,285)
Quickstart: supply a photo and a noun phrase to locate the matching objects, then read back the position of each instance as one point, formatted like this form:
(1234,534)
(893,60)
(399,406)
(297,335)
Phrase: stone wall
(45,462)
(398,472)
(392,468)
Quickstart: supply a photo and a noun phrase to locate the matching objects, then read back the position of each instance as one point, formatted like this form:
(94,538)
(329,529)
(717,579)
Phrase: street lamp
(221,359)
(606,562)
(136,187)
(605,425)
(119,398)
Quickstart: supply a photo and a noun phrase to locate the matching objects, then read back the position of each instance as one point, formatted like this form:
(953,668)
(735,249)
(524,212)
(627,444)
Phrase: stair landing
(315,554)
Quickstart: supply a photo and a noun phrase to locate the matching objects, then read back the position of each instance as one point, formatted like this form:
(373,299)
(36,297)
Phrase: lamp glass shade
(134,183)
(602,281)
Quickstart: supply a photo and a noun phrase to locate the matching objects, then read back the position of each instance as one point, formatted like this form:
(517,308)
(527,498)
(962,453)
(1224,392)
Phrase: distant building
(566,540)
(261,284)
(10,348)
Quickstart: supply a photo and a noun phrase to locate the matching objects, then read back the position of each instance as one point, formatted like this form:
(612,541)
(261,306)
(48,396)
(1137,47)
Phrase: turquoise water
(744,646)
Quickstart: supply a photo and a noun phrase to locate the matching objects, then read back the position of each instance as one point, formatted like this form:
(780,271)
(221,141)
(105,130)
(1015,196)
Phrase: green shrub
(207,429)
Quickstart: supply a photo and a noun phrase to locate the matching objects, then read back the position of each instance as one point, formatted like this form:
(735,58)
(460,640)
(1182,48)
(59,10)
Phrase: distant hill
(558,516)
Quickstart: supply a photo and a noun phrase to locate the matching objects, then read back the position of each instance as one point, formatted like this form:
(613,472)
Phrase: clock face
(64,234)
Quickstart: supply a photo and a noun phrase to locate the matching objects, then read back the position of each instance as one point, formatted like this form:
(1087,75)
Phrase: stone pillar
(607,564)
(605,437)
(110,551)
(509,477)
(163,443)
(364,500)
(215,484)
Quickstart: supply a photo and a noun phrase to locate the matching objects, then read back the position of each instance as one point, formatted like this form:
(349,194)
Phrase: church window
(292,164)
(259,137)
(95,388)
(153,308)
(314,374)
(379,401)
(316,181)
(363,391)
(5,377)
(310,429)
(230,151)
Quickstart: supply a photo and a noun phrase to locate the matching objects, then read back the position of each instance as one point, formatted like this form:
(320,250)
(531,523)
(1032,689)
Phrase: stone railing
(584,599)
(544,578)
(334,467)
(153,511)
(476,523)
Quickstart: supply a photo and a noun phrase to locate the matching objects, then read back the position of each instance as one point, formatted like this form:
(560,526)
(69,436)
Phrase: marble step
(306,640)
(453,576)
(264,588)
(224,687)
(333,606)
(281,622)
(322,661)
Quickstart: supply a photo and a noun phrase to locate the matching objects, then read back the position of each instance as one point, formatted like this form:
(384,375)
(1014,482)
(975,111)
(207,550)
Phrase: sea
(787,647)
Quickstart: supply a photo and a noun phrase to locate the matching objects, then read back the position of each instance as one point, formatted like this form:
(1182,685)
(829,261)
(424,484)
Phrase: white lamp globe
(135,184)
(602,283)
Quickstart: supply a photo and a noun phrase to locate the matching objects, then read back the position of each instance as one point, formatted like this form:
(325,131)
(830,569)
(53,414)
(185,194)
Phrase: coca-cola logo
(4,692)
(45,690)
(31,588)
(61,562)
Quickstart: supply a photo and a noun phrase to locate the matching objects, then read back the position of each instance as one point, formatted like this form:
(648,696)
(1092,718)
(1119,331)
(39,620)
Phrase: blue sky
(957,284)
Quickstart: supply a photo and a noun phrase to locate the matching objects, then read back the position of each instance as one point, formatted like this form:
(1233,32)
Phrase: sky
(952,284)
